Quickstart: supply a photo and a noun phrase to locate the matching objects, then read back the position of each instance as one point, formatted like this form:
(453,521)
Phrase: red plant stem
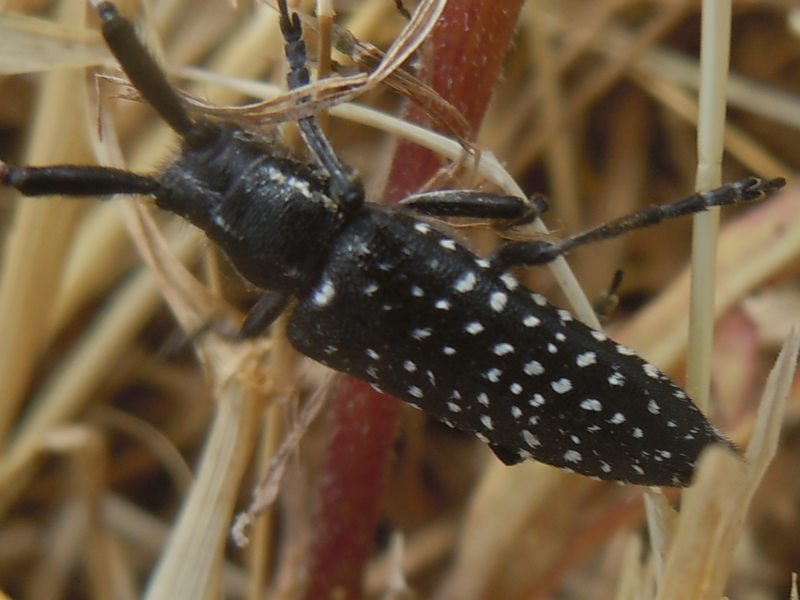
(462,63)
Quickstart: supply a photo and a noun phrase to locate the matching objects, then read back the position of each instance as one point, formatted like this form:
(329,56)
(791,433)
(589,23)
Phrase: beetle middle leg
(542,252)
(477,205)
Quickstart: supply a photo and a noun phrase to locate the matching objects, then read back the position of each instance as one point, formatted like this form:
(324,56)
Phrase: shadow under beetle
(391,300)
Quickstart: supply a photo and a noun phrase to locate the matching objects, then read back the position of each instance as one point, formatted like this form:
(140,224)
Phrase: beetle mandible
(386,297)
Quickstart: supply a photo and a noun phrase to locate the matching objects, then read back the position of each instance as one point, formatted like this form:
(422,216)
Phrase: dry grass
(101,427)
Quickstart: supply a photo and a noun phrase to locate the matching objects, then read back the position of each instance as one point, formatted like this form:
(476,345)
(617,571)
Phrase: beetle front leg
(345,187)
(263,314)
(476,205)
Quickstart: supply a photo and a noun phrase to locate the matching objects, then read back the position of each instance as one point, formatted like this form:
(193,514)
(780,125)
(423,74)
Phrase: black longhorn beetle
(390,299)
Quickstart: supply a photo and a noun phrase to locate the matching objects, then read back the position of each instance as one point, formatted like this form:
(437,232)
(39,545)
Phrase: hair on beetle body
(386,297)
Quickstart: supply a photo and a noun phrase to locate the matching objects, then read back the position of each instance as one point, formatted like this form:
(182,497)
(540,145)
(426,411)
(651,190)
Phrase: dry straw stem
(329,92)
(212,496)
(113,331)
(715,43)
(714,509)
(41,231)
(85,448)
(753,248)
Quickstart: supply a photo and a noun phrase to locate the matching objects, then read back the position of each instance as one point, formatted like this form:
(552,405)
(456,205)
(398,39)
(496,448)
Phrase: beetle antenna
(142,69)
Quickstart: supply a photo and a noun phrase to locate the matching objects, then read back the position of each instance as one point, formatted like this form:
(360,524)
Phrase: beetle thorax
(269,212)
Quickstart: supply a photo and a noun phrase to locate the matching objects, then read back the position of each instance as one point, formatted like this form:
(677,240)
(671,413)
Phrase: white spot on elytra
(483,263)
(531,321)
(474,328)
(515,388)
(653,407)
(637,433)
(410,366)
(509,281)
(562,386)
(448,244)
(537,400)
(625,351)
(442,305)
(586,359)
(370,288)
(482,438)
(575,439)
(617,419)
(552,348)
(638,469)
(503,349)
(417,291)
(530,439)
(431,377)
(423,228)
(617,379)
(565,315)
(572,456)
(560,337)
(533,368)
(466,283)
(651,370)
(324,293)
(372,354)
(415,391)
(422,333)
(483,399)
(539,299)
(498,301)
(605,467)
(493,375)
(449,350)
(665,453)
(599,336)
(516,411)
(592,405)
(680,394)
(453,407)
(486,420)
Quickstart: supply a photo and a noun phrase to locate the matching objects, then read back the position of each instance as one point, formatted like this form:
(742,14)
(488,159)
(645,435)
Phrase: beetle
(381,294)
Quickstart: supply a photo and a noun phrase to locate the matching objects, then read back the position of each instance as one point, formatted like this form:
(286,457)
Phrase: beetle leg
(345,187)
(475,204)
(263,314)
(541,252)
